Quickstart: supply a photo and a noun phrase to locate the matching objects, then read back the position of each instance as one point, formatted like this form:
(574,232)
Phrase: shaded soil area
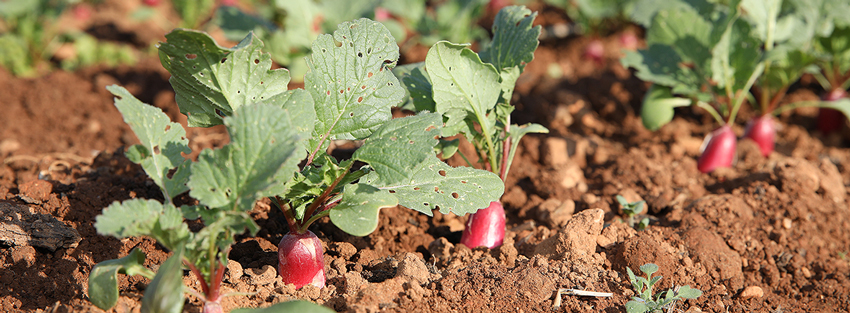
(769,235)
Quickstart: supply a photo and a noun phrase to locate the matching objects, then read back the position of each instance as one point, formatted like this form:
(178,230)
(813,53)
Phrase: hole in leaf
(425,203)
(437,207)
(351,44)
(253,98)
(437,137)
(201,74)
(191,56)
(337,44)
(436,189)
(239,91)
(194,67)
(369,51)
(410,142)
(455,195)
(256,61)
(463,182)
(359,54)
(156,149)
(392,191)
(329,92)
(430,128)
(261,82)
(348,89)
(167,127)
(450,68)
(517,24)
(342,91)
(369,75)
(363,87)
(359,99)
(416,188)
(223,59)
(442,173)
(351,114)
(217,111)
(324,50)
(393,138)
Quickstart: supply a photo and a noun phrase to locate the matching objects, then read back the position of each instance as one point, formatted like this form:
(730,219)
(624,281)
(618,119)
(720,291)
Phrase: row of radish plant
(279,142)
(717,56)
(714,56)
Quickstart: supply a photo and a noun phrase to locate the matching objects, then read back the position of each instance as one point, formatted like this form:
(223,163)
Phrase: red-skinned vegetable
(831,120)
(151,3)
(762,130)
(628,40)
(719,150)
(595,51)
(301,260)
(485,227)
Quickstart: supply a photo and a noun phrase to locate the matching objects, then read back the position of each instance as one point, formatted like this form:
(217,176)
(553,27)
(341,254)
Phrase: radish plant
(832,50)
(595,18)
(472,93)
(278,149)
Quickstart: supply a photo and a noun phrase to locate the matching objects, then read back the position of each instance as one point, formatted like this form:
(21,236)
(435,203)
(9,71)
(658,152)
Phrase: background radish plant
(278,149)
(472,93)
(711,56)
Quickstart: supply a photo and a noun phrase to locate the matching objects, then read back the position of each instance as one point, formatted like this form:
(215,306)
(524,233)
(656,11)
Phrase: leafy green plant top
(645,301)
(472,91)
(278,149)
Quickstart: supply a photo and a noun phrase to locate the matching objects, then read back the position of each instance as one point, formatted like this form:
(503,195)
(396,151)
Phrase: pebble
(234,271)
(752,292)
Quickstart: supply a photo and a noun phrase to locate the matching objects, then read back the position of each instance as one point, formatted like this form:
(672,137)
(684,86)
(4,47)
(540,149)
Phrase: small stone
(786,222)
(556,213)
(261,276)
(234,271)
(441,249)
(806,272)
(555,151)
(752,292)
(571,176)
(589,198)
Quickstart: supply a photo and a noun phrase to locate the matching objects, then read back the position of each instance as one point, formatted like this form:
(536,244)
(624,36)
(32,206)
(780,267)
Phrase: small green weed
(645,301)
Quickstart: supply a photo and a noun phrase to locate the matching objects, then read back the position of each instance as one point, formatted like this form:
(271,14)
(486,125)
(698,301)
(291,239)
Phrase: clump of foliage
(646,301)
(472,92)
(30,37)
(278,149)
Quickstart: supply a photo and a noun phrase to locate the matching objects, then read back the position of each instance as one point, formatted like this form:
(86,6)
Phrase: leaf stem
(506,149)
(204,286)
(711,110)
(325,194)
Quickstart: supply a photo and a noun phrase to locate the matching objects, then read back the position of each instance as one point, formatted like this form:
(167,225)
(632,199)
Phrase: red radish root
(301,260)
(485,227)
(762,130)
(831,120)
(719,150)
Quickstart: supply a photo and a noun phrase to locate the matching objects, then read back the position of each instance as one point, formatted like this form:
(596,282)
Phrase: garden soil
(768,235)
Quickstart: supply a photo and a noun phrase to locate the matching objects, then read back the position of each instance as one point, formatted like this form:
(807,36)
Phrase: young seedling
(645,301)
(472,93)
(632,209)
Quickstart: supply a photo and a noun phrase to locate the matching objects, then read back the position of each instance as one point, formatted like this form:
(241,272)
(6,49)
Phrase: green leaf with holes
(162,141)
(436,185)
(262,141)
(514,38)
(399,145)
(103,280)
(351,81)
(357,212)
(462,81)
(143,217)
(210,81)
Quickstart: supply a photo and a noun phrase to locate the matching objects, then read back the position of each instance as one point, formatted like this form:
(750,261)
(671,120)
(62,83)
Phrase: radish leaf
(165,292)
(143,217)
(300,306)
(103,280)
(351,82)
(162,142)
(436,185)
(514,39)
(399,145)
(210,81)
(244,170)
(357,212)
